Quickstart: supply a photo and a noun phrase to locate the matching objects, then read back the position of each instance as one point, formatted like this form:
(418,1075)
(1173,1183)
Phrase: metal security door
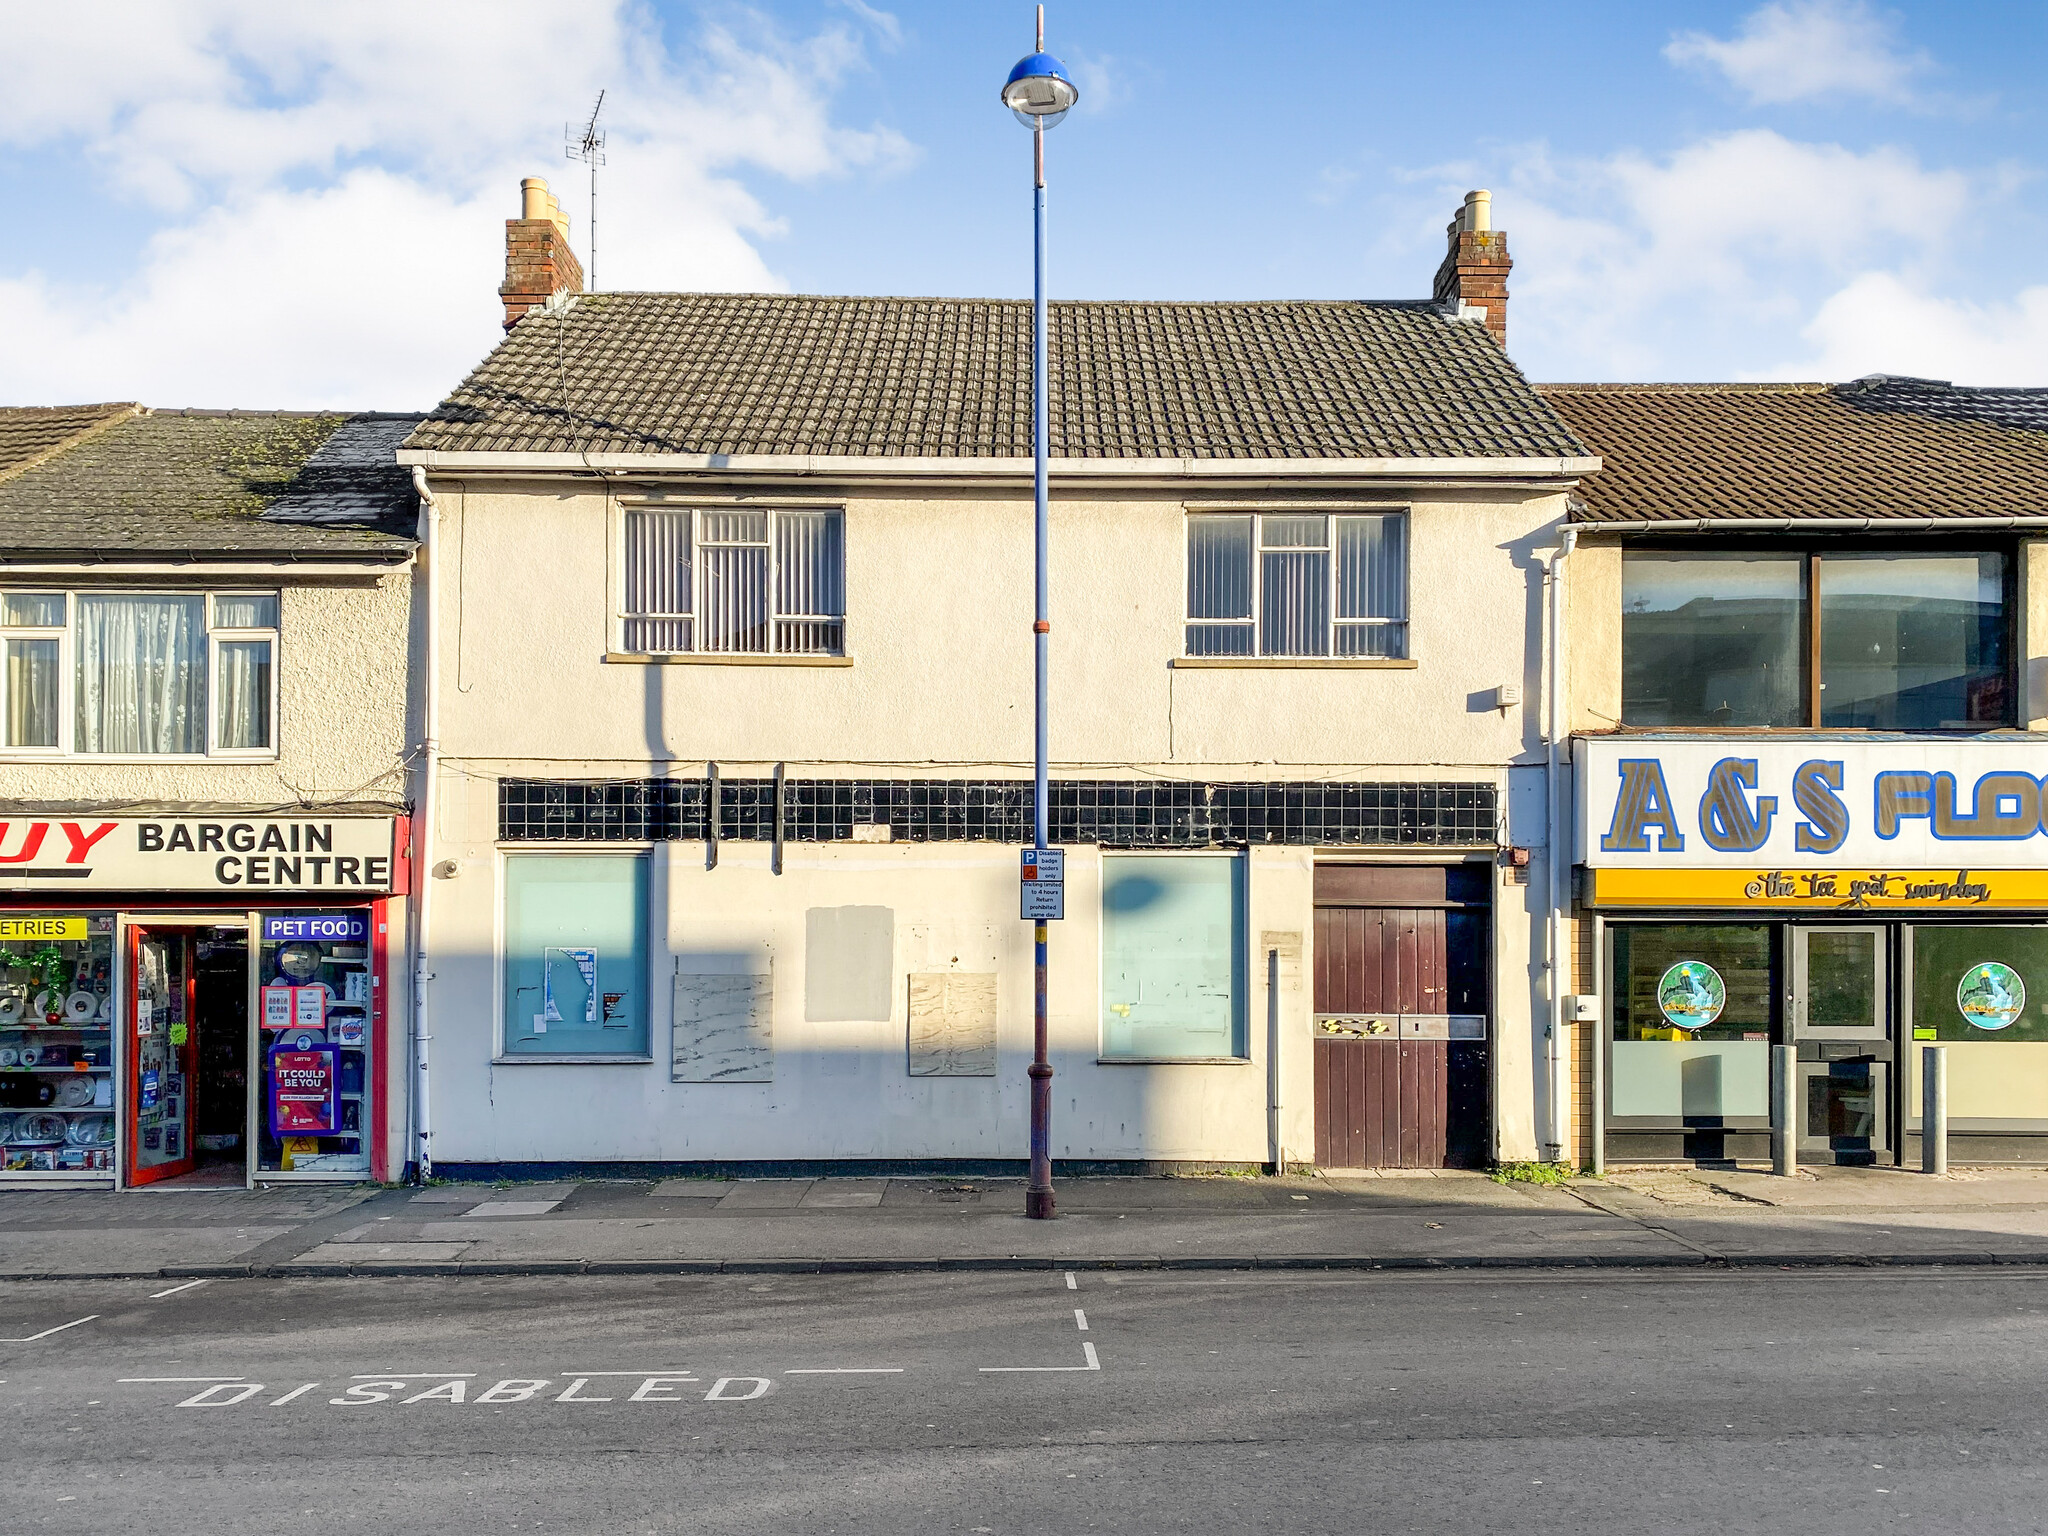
(1382,1093)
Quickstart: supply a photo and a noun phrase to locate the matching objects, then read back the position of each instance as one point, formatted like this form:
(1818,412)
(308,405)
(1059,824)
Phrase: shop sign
(1822,890)
(1691,995)
(1991,995)
(342,854)
(317,927)
(304,1091)
(43,930)
(1885,806)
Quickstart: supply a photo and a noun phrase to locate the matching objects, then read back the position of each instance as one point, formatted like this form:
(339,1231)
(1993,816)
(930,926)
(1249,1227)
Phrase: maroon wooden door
(1381,1101)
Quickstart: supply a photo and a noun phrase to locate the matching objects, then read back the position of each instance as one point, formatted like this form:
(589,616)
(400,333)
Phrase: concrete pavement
(1665,1216)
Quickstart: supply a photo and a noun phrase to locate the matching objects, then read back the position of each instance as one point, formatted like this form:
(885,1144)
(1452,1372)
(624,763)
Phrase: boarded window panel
(952,1024)
(722,1028)
(1173,956)
(562,912)
(849,958)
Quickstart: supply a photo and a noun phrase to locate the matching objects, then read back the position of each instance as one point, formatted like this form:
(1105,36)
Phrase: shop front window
(576,959)
(1173,956)
(56,1043)
(1692,1021)
(316,1004)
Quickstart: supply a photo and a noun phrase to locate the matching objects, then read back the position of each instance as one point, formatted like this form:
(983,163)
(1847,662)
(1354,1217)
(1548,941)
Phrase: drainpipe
(1557,950)
(423,835)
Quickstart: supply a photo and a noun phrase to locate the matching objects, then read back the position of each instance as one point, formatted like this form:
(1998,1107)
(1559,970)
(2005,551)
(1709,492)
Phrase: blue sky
(226,202)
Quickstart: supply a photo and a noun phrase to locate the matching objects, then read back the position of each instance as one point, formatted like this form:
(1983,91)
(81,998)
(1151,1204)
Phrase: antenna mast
(587,144)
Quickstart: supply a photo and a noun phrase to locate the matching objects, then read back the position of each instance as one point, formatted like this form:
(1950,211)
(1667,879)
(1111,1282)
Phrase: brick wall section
(1475,271)
(538,265)
(1585,1039)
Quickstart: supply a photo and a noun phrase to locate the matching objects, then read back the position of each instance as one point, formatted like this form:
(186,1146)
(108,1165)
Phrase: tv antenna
(587,144)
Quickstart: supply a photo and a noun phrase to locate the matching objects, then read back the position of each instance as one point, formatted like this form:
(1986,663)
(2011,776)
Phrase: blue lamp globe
(1039,90)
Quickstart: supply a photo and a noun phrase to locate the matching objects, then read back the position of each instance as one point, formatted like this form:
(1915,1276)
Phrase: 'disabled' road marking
(48,1331)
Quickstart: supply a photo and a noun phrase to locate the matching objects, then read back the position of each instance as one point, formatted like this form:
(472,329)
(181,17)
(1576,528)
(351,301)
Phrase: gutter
(423,829)
(840,466)
(1726,525)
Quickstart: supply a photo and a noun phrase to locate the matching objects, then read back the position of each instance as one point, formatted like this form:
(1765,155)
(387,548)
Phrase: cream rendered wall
(342,726)
(939,614)
(1592,607)
(2033,633)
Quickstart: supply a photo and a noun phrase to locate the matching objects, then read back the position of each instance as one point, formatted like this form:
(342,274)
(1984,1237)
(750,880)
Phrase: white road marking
(407,1375)
(295,1392)
(571,1397)
(717,1394)
(678,1371)
(1080,1319)
(1087,1351)
(848,1370)
(204,1397)
(48,1331)
(1070,1281)
(160,1295)
(129,1381)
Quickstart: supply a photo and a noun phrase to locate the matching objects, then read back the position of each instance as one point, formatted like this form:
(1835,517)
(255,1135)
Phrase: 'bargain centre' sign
(1811,804)
(351,855)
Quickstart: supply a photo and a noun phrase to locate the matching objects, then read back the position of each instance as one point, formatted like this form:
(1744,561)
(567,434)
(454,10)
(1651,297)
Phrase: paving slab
(127,1250)
(692,1189)
(766,1194)
(511,1208)
(383,1253)
(843,1194)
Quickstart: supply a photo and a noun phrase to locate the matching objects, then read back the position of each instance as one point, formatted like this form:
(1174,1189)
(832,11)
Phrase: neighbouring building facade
(730,729)
(206,626)
(1808,660)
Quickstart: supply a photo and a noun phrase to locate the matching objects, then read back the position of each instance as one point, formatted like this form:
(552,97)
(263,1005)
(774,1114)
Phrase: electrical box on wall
(1584,1007)
(1507,695)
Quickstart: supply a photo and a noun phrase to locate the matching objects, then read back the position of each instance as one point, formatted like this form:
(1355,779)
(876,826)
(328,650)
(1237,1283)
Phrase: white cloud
(1801,50)
(1722,254)
(1879,323)
(333,180)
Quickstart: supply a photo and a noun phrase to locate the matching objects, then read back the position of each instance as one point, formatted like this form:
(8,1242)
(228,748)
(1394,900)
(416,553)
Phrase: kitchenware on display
(40,1008)
(104,1014)
(31,1054)
(74,1092)
(89,1130)
(9,1055)
(79,1007)
(11,1005)
(103,1092)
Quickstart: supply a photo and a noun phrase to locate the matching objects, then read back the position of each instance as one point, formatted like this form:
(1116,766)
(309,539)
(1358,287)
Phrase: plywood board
(952,1024)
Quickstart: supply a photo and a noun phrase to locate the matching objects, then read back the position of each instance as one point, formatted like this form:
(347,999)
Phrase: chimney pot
(534,198)
(1479,211)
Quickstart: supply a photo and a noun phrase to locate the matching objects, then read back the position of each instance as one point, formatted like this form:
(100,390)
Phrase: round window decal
(1991,995)
(1691,994)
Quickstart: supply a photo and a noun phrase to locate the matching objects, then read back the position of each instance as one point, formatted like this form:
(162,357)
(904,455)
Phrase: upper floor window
(1851,640)
(1298,584)
(133,674)
(734,580)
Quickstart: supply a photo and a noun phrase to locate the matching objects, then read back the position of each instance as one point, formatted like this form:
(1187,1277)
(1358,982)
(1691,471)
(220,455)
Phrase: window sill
(572,1061)
(1321,663)
(724,659)
(32,756)
(1173,1061)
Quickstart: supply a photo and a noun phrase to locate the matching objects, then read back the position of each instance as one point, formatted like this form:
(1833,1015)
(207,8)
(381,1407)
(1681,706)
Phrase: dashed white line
(134,1381)
(1071,1285)
(48,1331)
(1080,1319)
(160,1295)
(1087,1352)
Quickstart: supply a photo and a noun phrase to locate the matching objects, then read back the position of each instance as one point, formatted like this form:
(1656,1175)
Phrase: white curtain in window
(141,674)
(32,693)
(242,693)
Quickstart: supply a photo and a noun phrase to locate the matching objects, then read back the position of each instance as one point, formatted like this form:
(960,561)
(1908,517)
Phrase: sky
(254,204)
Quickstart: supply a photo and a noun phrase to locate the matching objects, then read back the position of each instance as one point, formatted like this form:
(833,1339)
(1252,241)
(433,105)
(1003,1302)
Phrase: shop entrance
(1841,1031)
(1401,1070)
(186,1090)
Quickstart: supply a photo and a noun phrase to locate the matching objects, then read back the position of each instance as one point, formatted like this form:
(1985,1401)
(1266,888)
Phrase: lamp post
(1040,93)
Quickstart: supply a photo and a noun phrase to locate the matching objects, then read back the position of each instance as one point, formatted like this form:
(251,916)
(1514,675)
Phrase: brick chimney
(1476,267)
(538,261)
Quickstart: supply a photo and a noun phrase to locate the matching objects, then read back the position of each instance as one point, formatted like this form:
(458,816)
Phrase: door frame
(129,926)
(1816,1049)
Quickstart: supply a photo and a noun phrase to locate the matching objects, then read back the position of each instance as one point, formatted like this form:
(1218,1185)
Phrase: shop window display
(1692,1021)
(56,1043)
(316,1007)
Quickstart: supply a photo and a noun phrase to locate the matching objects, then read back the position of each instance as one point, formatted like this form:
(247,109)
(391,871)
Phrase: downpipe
(423,827)
(1557,860)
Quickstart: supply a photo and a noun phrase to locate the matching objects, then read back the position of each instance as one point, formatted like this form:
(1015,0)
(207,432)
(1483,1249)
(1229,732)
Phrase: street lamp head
(1039,91)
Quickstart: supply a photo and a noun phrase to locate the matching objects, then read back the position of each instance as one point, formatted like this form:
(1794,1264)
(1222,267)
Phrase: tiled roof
(31,433)
(219,483)
(1878,448)
(680,373)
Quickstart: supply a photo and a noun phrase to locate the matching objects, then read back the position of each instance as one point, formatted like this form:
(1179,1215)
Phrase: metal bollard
(1784,1134)
(1934,1109)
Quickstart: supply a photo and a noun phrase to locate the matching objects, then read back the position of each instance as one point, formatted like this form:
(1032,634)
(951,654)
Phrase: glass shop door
(1841,1031)
(161,1051)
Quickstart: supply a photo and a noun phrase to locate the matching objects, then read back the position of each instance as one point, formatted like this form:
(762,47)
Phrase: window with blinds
(737,581)
(1298,584)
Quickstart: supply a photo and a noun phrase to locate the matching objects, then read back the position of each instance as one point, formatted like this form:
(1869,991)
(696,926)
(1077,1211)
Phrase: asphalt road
(1810,1402)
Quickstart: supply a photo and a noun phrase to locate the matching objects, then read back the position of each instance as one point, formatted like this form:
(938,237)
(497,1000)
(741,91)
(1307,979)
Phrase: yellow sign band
(1823,890)
(31,930)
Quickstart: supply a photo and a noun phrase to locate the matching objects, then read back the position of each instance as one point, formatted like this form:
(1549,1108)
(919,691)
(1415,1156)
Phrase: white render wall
(939,687)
